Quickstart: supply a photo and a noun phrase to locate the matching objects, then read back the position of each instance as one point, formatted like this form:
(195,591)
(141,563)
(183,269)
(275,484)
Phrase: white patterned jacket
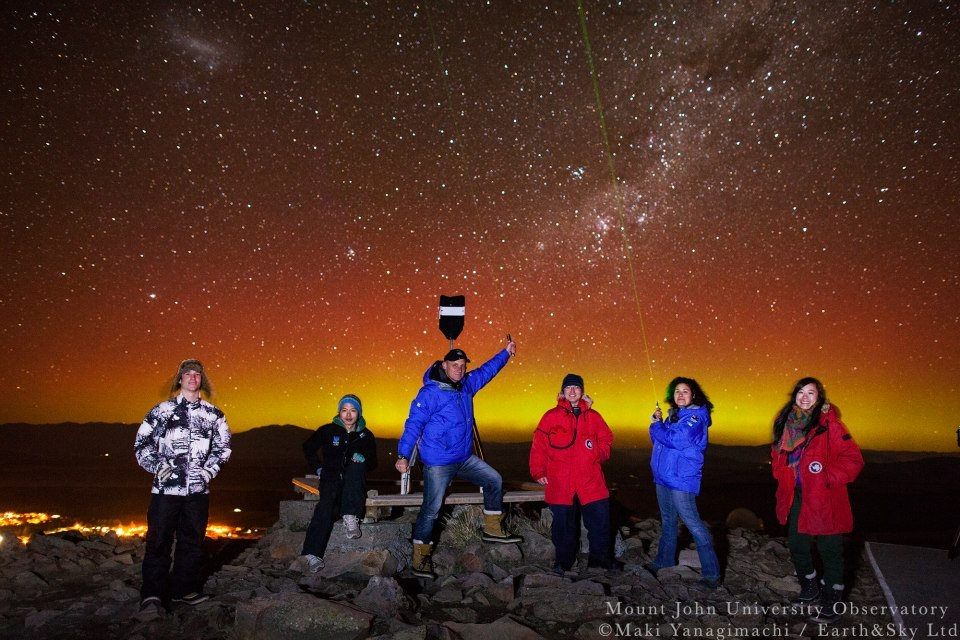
(183,444)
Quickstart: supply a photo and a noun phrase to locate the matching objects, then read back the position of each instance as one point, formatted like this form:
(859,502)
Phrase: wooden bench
(308,487)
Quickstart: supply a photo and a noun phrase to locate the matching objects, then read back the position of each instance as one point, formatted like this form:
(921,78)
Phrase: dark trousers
(346,495)
(801,548)
(183,517)
(565,531)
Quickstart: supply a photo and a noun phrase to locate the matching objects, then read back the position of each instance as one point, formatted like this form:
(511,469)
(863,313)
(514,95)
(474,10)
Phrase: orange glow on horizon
(137,529)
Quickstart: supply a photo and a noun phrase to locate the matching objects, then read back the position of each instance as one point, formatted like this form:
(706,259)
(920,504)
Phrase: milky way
(755,191)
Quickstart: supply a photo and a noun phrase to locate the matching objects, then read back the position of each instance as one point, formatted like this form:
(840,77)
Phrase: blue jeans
(675,503)
(436,479)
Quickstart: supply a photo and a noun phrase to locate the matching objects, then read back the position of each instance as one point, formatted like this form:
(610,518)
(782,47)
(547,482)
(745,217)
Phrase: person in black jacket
(349,450)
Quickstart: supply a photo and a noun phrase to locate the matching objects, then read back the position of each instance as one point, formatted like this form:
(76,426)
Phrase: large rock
(537,547)
(299,617)
(53,546)
(378,562)
(382,596)
(553,598)
(505,627)
(393,537)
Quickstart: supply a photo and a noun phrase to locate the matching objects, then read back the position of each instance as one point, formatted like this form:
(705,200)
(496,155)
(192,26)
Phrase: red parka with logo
(829,461)
(568,450)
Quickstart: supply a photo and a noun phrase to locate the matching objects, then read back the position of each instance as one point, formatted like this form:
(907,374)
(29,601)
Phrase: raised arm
(687,433)
(479,377)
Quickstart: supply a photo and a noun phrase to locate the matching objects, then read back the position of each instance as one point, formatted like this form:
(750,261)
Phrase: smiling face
(455,369)
(682,395)
(807,396)
(572,394)
(349,415)
(190,382)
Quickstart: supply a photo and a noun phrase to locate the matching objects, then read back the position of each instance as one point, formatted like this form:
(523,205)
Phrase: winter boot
(492,530)
(826,611)
(422,563)
(352,524)
(809,589)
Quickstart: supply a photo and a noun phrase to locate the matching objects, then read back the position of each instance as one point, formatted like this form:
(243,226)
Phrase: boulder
(299,617)
(52,546)
(537,548)
(383,597)
(743,518)
(378,562)
(505,627)
(552,598)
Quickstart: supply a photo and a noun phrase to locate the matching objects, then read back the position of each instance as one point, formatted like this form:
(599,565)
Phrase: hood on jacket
(361,423)
(582,403)
(438,376)
(674,414)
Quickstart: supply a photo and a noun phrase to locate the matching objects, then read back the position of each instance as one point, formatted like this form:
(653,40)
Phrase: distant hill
(88,470)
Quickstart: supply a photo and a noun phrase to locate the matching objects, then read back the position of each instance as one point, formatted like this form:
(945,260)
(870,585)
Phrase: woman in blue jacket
(677,462)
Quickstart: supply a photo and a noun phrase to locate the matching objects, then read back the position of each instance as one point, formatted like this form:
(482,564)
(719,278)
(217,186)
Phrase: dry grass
(463,526)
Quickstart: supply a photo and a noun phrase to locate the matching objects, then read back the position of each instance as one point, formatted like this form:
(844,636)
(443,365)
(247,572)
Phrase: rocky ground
(68,586)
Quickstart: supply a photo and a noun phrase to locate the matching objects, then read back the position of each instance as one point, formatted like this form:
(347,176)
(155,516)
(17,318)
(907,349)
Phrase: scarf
(794,434)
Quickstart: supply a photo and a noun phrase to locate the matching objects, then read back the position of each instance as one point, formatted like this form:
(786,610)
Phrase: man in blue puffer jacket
(441,424)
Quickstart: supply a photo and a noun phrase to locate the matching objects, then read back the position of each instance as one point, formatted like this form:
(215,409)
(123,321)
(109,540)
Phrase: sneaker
(193,598)
(352,524)
(150,609)
(314,564)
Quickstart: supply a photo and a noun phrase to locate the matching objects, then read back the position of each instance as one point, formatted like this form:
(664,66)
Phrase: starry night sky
(764,190)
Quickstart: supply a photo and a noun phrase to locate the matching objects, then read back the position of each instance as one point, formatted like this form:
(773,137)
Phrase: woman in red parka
(814,459)
(570,443)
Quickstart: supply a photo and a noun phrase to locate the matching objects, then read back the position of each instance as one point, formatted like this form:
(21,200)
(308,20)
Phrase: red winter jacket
(830,460)
(568,450)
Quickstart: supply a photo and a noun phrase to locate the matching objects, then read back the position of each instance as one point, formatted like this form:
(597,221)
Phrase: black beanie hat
(571,380)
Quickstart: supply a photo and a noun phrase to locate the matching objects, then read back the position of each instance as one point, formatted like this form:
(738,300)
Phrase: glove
(358,457)
(164,471)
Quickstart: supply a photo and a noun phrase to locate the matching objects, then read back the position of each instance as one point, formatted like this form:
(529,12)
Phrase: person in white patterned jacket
(183,442)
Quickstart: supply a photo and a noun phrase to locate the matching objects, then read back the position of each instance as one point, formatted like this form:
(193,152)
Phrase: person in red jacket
(814,458)
(569,445)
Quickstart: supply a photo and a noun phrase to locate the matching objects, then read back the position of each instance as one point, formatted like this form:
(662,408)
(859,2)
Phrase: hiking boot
(422,564)
(193,599)
(314,564)
(826,611)
(352,524)
(150,609)
(492,530)
(809,589)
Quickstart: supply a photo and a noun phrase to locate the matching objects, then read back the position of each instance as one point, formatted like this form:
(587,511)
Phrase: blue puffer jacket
(441,416)
(678,446)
